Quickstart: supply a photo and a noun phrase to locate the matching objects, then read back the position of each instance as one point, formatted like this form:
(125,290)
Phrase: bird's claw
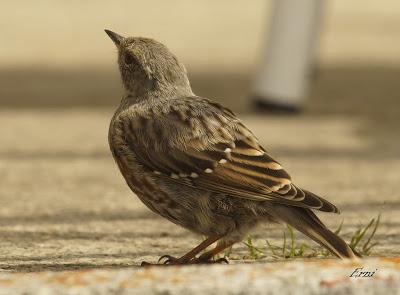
(165,260)
(209,261)
(222,260)
(170,260)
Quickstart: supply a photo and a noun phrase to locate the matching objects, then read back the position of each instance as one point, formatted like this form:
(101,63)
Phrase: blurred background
(61,195)
(55,53)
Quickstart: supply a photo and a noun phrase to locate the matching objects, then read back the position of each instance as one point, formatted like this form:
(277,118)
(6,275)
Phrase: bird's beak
(117,39)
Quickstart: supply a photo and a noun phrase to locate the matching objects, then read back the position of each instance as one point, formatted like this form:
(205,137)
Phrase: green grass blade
(271,248)
(292,248)
(337,231)
(367,247)
(363,231)
(284,245)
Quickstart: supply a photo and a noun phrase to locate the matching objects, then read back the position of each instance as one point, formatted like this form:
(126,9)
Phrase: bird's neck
(161,91)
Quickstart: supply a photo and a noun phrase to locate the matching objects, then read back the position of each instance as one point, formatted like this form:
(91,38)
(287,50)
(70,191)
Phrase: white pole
(287,60)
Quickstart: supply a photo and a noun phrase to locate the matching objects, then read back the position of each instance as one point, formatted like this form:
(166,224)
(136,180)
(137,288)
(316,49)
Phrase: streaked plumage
(195,163)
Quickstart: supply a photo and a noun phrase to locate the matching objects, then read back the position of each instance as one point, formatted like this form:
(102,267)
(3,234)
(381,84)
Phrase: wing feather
(205,146)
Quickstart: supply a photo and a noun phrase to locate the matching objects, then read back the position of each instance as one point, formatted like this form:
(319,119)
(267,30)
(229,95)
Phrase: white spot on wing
(174,176)
(194,175)
(227,150)
(274,166)
(222,161)
(208,170)
(156,172)
(277,187)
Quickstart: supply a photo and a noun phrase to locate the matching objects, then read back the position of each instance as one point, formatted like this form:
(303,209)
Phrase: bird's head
(148,68)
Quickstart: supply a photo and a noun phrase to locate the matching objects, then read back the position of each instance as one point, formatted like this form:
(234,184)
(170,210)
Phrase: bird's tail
(305,221)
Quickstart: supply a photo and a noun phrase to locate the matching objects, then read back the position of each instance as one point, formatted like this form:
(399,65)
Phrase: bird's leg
(207,257)
(187,258)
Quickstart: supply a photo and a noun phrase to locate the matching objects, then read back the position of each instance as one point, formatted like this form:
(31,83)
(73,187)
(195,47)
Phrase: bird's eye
(129,59)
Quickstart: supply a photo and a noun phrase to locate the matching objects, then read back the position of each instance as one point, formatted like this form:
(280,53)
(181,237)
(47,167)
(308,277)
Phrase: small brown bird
(195,163)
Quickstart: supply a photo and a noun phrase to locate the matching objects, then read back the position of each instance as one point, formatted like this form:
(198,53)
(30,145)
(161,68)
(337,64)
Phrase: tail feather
(305,221)
(325,206)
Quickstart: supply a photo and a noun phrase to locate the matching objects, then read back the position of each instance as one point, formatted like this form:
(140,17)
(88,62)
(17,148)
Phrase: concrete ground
(296,277)
(64,204)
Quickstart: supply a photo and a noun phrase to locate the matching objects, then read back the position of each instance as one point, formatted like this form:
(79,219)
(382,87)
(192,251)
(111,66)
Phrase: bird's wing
(199,143)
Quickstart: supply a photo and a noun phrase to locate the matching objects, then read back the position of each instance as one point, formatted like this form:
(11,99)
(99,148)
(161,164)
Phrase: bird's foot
(167,260)
(201,260)
(170,260)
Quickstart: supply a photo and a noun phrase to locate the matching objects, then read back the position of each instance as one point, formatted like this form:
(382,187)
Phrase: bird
(194,162)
